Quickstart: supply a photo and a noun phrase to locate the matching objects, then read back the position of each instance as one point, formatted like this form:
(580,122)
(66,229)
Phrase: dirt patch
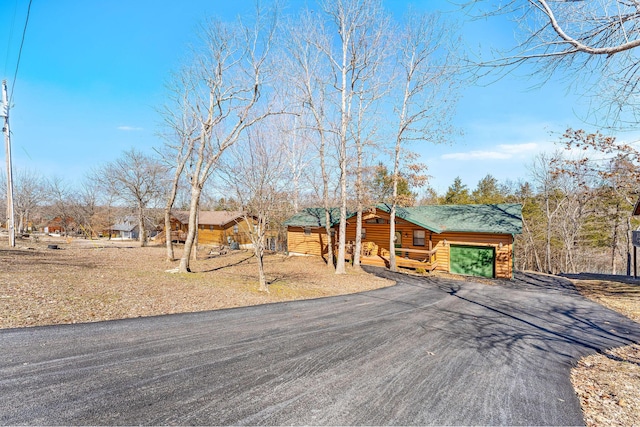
(608,384)
(88,281)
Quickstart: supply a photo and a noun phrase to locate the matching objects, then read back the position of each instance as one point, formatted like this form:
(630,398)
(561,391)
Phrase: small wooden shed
(461,239)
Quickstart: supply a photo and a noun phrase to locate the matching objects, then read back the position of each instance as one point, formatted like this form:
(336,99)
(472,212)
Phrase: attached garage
(472,260)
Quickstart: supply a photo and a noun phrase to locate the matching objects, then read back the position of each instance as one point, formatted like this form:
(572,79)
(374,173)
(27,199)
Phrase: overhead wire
(24,32)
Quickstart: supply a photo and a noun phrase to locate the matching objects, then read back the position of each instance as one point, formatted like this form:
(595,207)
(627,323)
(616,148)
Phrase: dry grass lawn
(88,281)
(608,384)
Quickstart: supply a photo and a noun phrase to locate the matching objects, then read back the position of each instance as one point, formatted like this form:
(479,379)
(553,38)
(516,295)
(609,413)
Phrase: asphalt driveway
(425,351)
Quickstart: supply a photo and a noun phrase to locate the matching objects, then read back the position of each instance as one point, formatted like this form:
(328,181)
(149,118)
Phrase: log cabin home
(214,228)
(472,240)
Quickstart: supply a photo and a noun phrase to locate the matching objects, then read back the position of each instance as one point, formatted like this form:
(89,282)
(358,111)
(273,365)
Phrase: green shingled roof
(505,218)
(314,217)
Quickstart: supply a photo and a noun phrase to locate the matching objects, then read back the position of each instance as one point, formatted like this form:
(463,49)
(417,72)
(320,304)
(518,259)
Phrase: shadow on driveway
(428,351)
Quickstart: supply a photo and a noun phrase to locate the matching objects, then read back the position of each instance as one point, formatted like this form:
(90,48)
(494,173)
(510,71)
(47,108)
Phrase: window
(376,221)
(235,229)
(418,237)
(307,231)
(211,227)
(364,234)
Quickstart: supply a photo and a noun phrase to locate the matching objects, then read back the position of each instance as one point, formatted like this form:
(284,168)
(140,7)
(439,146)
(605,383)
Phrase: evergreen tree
(488,191)
(457,193)
(382,187)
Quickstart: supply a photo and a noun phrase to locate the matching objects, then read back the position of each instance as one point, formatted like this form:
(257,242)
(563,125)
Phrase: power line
(24,32)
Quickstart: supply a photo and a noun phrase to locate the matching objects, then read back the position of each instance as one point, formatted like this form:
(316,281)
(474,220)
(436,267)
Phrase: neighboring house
(128,227)
(461,239)
(56,225)
(214,227)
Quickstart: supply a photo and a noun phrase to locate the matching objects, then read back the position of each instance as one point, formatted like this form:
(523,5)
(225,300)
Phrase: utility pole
(4,113)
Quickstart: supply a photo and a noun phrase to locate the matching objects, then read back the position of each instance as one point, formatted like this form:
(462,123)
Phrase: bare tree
(428,77)
(574,184)
(255,172)
(29,194)
(59,195)
(365,132)
(523,193)
(227,80)
(138,179)
(360,30)
(297,153)
(310,79)
(616,167)
(345,40)
(543,174)
(598,38)
(87,208)
(177,150)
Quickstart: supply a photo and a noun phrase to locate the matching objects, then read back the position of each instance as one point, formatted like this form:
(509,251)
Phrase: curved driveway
(426,351)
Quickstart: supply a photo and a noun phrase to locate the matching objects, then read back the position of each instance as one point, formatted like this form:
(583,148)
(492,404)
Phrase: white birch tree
(177,150)
(428,76)
(310,79)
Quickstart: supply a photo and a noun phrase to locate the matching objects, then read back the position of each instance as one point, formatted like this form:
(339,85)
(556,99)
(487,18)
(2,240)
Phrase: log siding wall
(300,243)
(218,235)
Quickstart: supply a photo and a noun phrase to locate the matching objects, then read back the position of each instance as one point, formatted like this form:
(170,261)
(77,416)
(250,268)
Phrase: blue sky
(92,74)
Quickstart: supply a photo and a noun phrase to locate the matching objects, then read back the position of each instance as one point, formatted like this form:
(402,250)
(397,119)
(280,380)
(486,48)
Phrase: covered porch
(371,254)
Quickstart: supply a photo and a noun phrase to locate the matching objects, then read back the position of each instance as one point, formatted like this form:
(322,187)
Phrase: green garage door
(471,260)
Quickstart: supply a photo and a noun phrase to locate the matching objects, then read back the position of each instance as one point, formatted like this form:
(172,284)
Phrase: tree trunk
(167,233)
(167,209)
(258,249)
(394,200)
(358,245)
(342,232)
(328,229)
(614,240)
(392,238)
(191,231)
(359,197)
(194,250)
(143,232)
(533,246)
(327,212)
(548,236)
